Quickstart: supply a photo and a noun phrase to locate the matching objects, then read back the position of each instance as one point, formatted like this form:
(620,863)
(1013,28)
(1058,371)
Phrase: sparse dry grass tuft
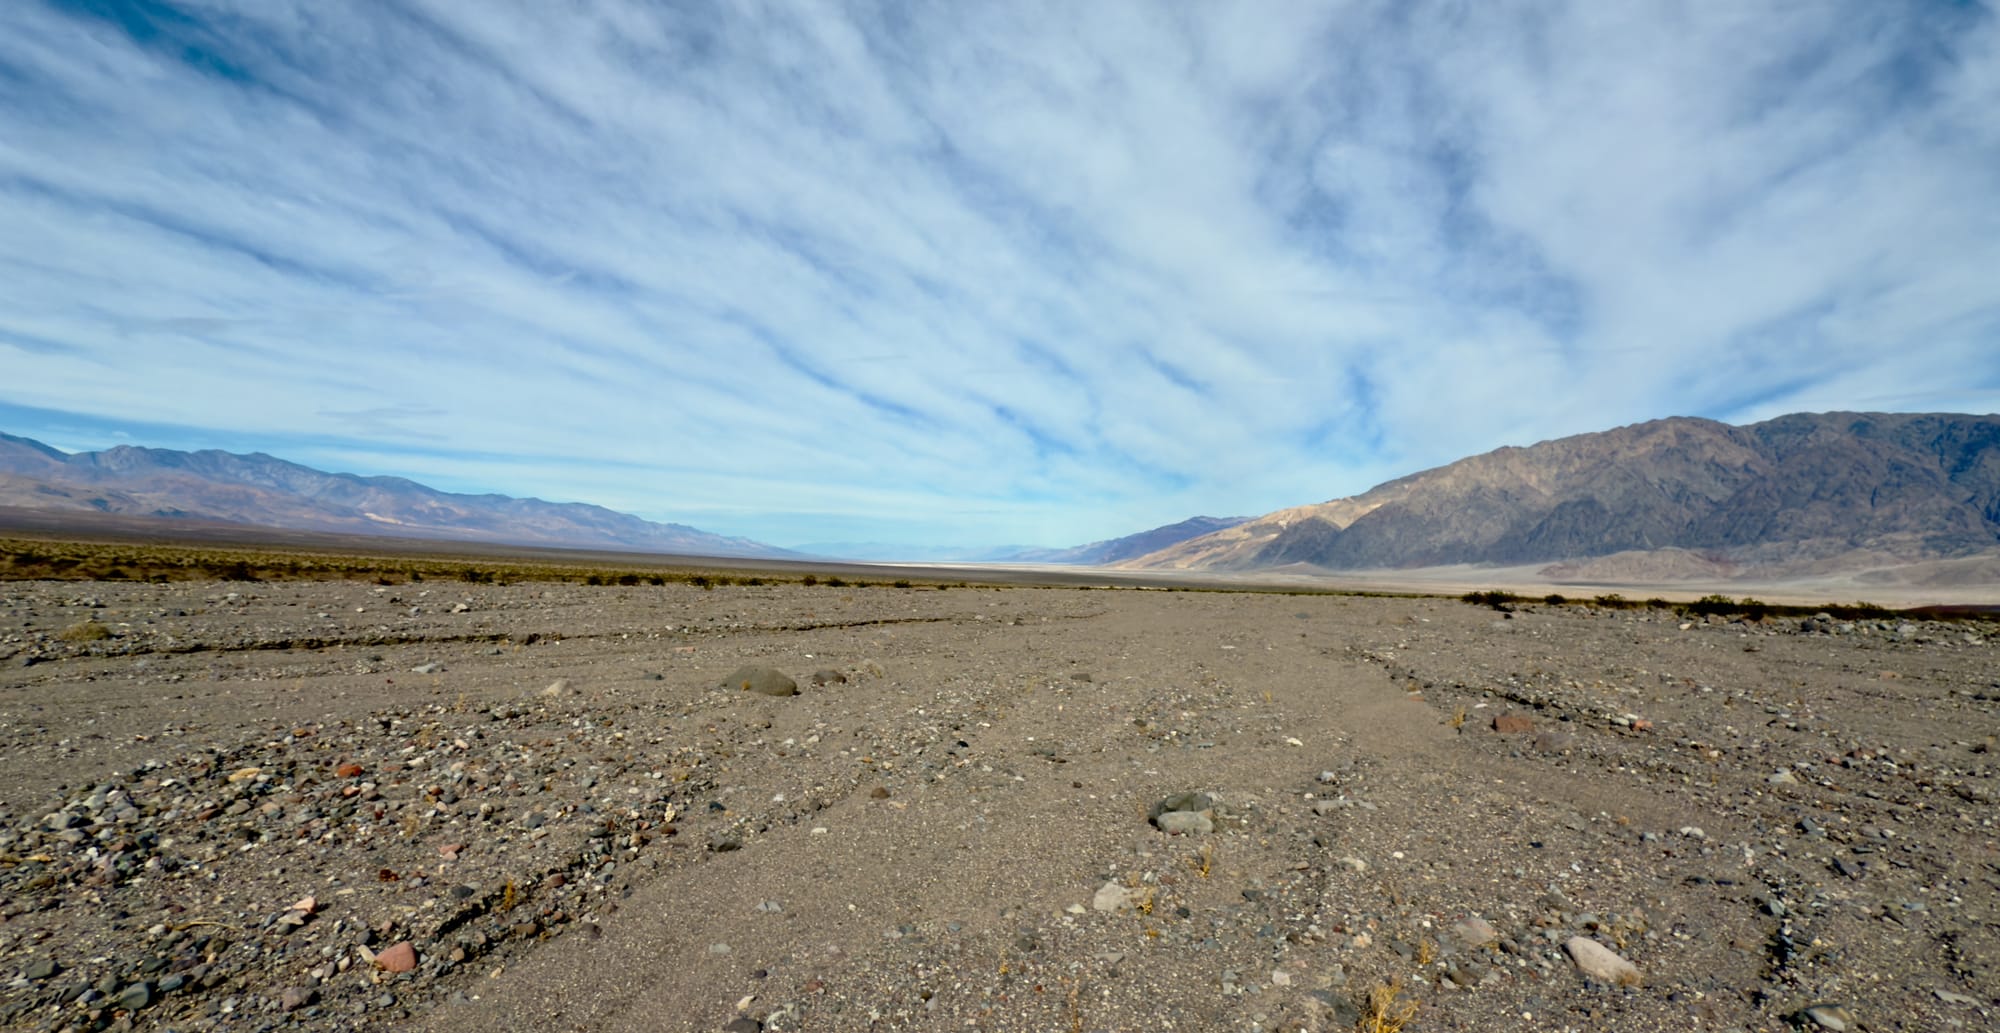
(1203,862)
(1384,1010)
(84,631)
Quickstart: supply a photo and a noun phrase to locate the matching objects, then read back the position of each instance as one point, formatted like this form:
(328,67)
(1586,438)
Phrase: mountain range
(1671,497)
(263,491)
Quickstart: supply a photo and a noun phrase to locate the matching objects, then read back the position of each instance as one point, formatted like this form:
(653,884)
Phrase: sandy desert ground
(343,806)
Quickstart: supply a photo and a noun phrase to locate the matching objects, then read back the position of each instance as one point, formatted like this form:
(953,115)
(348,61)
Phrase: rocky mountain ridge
(264,491)
(1804,488)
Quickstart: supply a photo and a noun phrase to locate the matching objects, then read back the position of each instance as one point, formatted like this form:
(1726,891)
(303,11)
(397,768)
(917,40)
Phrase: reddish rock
(1512,724)
(348,770)
(400,958)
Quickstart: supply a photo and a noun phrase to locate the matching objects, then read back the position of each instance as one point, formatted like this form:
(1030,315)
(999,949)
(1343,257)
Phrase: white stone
(1601,963)
(1111,897)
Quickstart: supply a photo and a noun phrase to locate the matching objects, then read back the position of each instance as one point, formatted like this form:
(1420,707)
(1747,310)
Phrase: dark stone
(136,996)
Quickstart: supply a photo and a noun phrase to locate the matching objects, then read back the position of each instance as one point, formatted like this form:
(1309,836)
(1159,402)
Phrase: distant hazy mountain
(1093,555)
(260,490)
(1132,546)
(1796,489)
(889,552)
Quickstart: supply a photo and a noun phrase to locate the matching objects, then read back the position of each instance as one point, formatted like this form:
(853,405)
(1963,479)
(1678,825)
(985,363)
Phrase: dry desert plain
(339,805)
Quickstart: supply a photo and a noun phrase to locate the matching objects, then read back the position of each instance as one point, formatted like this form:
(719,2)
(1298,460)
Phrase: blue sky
(980,273)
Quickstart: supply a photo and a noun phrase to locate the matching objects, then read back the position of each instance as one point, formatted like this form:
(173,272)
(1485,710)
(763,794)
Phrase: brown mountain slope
(1796,488)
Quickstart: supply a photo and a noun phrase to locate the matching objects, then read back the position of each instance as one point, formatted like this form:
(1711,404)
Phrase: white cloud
(999,273)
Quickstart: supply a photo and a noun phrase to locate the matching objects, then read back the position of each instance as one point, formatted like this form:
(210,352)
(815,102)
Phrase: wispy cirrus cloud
(943,272)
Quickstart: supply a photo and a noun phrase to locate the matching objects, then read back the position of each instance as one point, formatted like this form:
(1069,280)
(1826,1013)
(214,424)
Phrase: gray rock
(1555,742)
(765,681)
(1185,823)
(41,968)
(1830,1017)
(1181,802)
(1184,814)
(1474,931)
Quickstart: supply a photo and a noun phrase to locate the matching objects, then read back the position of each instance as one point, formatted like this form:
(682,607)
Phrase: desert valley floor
(438,806)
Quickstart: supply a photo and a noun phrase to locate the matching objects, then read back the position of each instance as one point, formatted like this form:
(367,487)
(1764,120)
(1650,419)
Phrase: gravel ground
(344,806)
